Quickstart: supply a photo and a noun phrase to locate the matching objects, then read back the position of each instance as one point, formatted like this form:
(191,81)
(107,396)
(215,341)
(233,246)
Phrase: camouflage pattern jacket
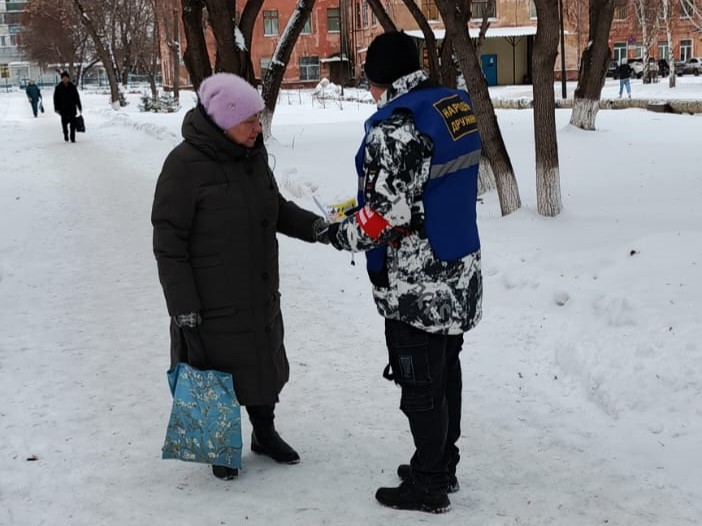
(436,296)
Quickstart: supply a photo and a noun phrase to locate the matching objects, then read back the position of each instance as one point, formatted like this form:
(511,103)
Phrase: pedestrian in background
(67,105)
(418,181)
(624,73)
(34,97)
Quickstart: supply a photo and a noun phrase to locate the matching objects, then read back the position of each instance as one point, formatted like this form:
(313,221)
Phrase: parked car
(612,69)
(693,65)
(679,68)
(636,65)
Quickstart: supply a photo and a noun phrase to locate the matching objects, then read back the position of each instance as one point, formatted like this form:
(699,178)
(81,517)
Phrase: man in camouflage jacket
(417,173)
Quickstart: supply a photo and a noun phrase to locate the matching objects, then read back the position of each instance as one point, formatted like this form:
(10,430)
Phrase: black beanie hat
(65,74)
(390,56)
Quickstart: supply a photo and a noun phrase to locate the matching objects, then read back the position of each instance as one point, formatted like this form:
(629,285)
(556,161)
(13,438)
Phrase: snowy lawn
(582,384)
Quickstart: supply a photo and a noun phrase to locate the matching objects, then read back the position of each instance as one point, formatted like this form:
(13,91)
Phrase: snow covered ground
(582,384)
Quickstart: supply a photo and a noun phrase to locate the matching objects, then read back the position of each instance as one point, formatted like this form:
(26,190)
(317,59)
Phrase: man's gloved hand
(332,236)
(320,229)
(189,320)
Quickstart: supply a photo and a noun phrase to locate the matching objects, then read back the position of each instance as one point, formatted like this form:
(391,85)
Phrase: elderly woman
(216,213)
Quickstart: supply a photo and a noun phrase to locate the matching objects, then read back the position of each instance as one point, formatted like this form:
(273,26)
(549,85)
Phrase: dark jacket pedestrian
(216,214)
(34,96)
(418,172)
(624,71)
(67,104)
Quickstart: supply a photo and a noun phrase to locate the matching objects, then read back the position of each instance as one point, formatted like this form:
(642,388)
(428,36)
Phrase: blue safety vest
(449,196)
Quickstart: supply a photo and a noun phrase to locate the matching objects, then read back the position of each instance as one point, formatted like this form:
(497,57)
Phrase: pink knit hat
(228,99)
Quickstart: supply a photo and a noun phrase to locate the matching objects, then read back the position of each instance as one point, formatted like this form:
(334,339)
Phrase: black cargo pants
(428,369)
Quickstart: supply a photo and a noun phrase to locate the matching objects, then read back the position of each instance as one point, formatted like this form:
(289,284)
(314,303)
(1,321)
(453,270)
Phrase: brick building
(626,35)
(335,39)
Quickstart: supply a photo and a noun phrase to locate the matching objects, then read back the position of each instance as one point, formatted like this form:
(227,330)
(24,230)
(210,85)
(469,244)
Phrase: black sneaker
(271,445)
(404,471)
(406,497)
(224,472)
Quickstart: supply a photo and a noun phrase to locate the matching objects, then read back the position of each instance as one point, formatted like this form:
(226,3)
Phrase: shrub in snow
(162,104)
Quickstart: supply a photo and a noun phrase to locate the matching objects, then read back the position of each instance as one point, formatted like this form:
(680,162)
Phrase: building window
(265,64)
(307,28)
(663,51)
(619,51)
(532,9)
(685,49)
(333,20)
(270,23)
(309,68)
(365,14)
(687,8)
(16,6)
(636,49)
(620,9)
(430,10)
(358,15)
(2,41)
(483,8)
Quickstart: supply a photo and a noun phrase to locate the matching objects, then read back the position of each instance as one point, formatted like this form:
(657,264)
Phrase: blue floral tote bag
(205,422)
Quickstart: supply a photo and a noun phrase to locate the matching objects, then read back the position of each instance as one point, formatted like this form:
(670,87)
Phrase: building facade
(335,39)
(626,34)
(13,69)
(321,49)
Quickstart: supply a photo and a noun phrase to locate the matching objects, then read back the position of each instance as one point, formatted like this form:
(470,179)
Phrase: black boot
(270,444)
(265,440)
(408,497)
(404,471)
(224,472)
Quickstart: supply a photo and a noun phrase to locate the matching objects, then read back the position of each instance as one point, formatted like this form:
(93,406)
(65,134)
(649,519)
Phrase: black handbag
(41,106)
(80,124)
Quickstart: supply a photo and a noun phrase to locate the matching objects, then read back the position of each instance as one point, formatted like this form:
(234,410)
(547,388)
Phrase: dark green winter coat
(33,92)
(216,213)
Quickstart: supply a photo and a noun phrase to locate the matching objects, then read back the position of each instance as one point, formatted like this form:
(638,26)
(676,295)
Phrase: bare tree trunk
(429,40)
(548,186)
(593,66)
(382,15)
(486,179)
(221,18)
(448,65)
(155,51)
(667,14)
(246,26)
(279,61)
(455,19)
(105,56)
(196,59)
(248,20)
(648,16)
(175,50)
